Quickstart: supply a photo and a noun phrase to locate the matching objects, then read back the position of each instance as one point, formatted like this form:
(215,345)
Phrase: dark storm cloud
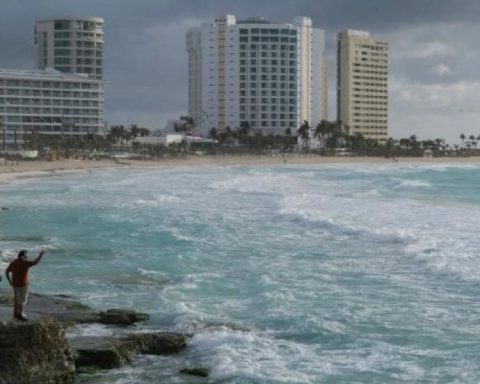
(433,49)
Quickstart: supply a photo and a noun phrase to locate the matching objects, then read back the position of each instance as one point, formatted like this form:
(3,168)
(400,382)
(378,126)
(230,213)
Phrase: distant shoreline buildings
(65,95)
(250,74)
(273,76)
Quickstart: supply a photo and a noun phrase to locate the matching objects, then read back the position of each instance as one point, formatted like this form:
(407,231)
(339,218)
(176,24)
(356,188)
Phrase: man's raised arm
(37,260)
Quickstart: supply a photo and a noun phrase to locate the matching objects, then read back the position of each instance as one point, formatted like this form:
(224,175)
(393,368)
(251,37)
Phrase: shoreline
(38,168)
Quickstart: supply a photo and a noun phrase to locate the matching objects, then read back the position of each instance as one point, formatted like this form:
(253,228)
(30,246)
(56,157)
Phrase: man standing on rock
(18,269)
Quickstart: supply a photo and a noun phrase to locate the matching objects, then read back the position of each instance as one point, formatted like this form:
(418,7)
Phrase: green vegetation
(327,138)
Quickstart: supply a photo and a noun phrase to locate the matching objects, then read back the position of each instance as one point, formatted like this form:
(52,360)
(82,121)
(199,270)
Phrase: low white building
(47,102)
(174,138)
(167,139)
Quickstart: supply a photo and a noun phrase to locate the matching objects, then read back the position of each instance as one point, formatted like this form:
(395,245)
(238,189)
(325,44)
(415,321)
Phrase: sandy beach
(12,170)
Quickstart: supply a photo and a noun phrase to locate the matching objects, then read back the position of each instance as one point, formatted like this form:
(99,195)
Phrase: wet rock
(35,352)
(111,352)
(68,311)
(63,309)
(200,372)
(123,317)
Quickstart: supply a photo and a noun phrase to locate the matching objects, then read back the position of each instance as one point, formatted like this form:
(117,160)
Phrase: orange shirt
(19,269)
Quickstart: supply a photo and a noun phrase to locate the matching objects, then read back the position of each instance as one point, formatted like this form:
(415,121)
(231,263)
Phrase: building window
(62,24)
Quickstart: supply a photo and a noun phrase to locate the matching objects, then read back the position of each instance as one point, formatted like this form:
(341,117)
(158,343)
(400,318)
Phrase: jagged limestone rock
(122,317)
(35,352)
(111,352)
(200,372)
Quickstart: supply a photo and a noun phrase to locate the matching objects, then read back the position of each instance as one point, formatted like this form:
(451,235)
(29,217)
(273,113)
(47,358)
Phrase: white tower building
(271,76)
(362,84)
(70,45)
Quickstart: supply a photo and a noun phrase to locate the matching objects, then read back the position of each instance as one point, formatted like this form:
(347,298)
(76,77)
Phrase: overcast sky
(434,80)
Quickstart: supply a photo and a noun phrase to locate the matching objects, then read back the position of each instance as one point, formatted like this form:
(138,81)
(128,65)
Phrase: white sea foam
(249,355)
(369,193)
(412,184)
(179,235)
(266,183)
(157,201)
(95,329)
(154,275)
(283,275)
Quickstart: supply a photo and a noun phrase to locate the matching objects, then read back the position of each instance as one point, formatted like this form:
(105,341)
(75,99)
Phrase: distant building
(47,102)
(71,45)
(255,73)
(362,84)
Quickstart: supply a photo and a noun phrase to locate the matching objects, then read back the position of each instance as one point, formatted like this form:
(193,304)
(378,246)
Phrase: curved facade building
(70,45)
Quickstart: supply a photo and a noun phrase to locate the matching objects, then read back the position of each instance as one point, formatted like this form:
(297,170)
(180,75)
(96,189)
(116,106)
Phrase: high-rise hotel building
(362,84)
(47,102)
(71,45)
(64,96)
(271,76)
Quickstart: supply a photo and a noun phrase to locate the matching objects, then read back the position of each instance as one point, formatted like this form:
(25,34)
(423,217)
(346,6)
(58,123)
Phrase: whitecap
(411,184)
(157,201)
(257,357)
(266,183)
(88,330)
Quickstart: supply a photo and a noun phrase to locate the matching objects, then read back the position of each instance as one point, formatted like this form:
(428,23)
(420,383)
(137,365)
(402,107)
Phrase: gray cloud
(434,56)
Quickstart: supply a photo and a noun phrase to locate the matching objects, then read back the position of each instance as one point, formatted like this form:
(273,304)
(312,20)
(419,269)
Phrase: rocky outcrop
(200,372)
(67,311)
(36,353)
(62,308)
(122,317)
(110,352)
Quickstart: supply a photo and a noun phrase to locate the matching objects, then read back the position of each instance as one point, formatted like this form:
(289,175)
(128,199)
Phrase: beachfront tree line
(333,135)
(117,136)
(326,138)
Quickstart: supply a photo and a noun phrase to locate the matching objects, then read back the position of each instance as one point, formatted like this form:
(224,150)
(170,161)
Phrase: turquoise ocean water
(290,274)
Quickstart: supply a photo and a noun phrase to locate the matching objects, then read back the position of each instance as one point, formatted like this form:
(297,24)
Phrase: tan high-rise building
(362,84)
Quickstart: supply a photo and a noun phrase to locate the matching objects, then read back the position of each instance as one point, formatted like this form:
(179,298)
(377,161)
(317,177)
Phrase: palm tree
(415,145)
(462,137)
(213,134)
(472,141)
(134,131)
(439,143)
(358,143)
(116,133)
(389,147)
(323,127)
(144,132)
(243,131)
(333,131)
(303,133)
